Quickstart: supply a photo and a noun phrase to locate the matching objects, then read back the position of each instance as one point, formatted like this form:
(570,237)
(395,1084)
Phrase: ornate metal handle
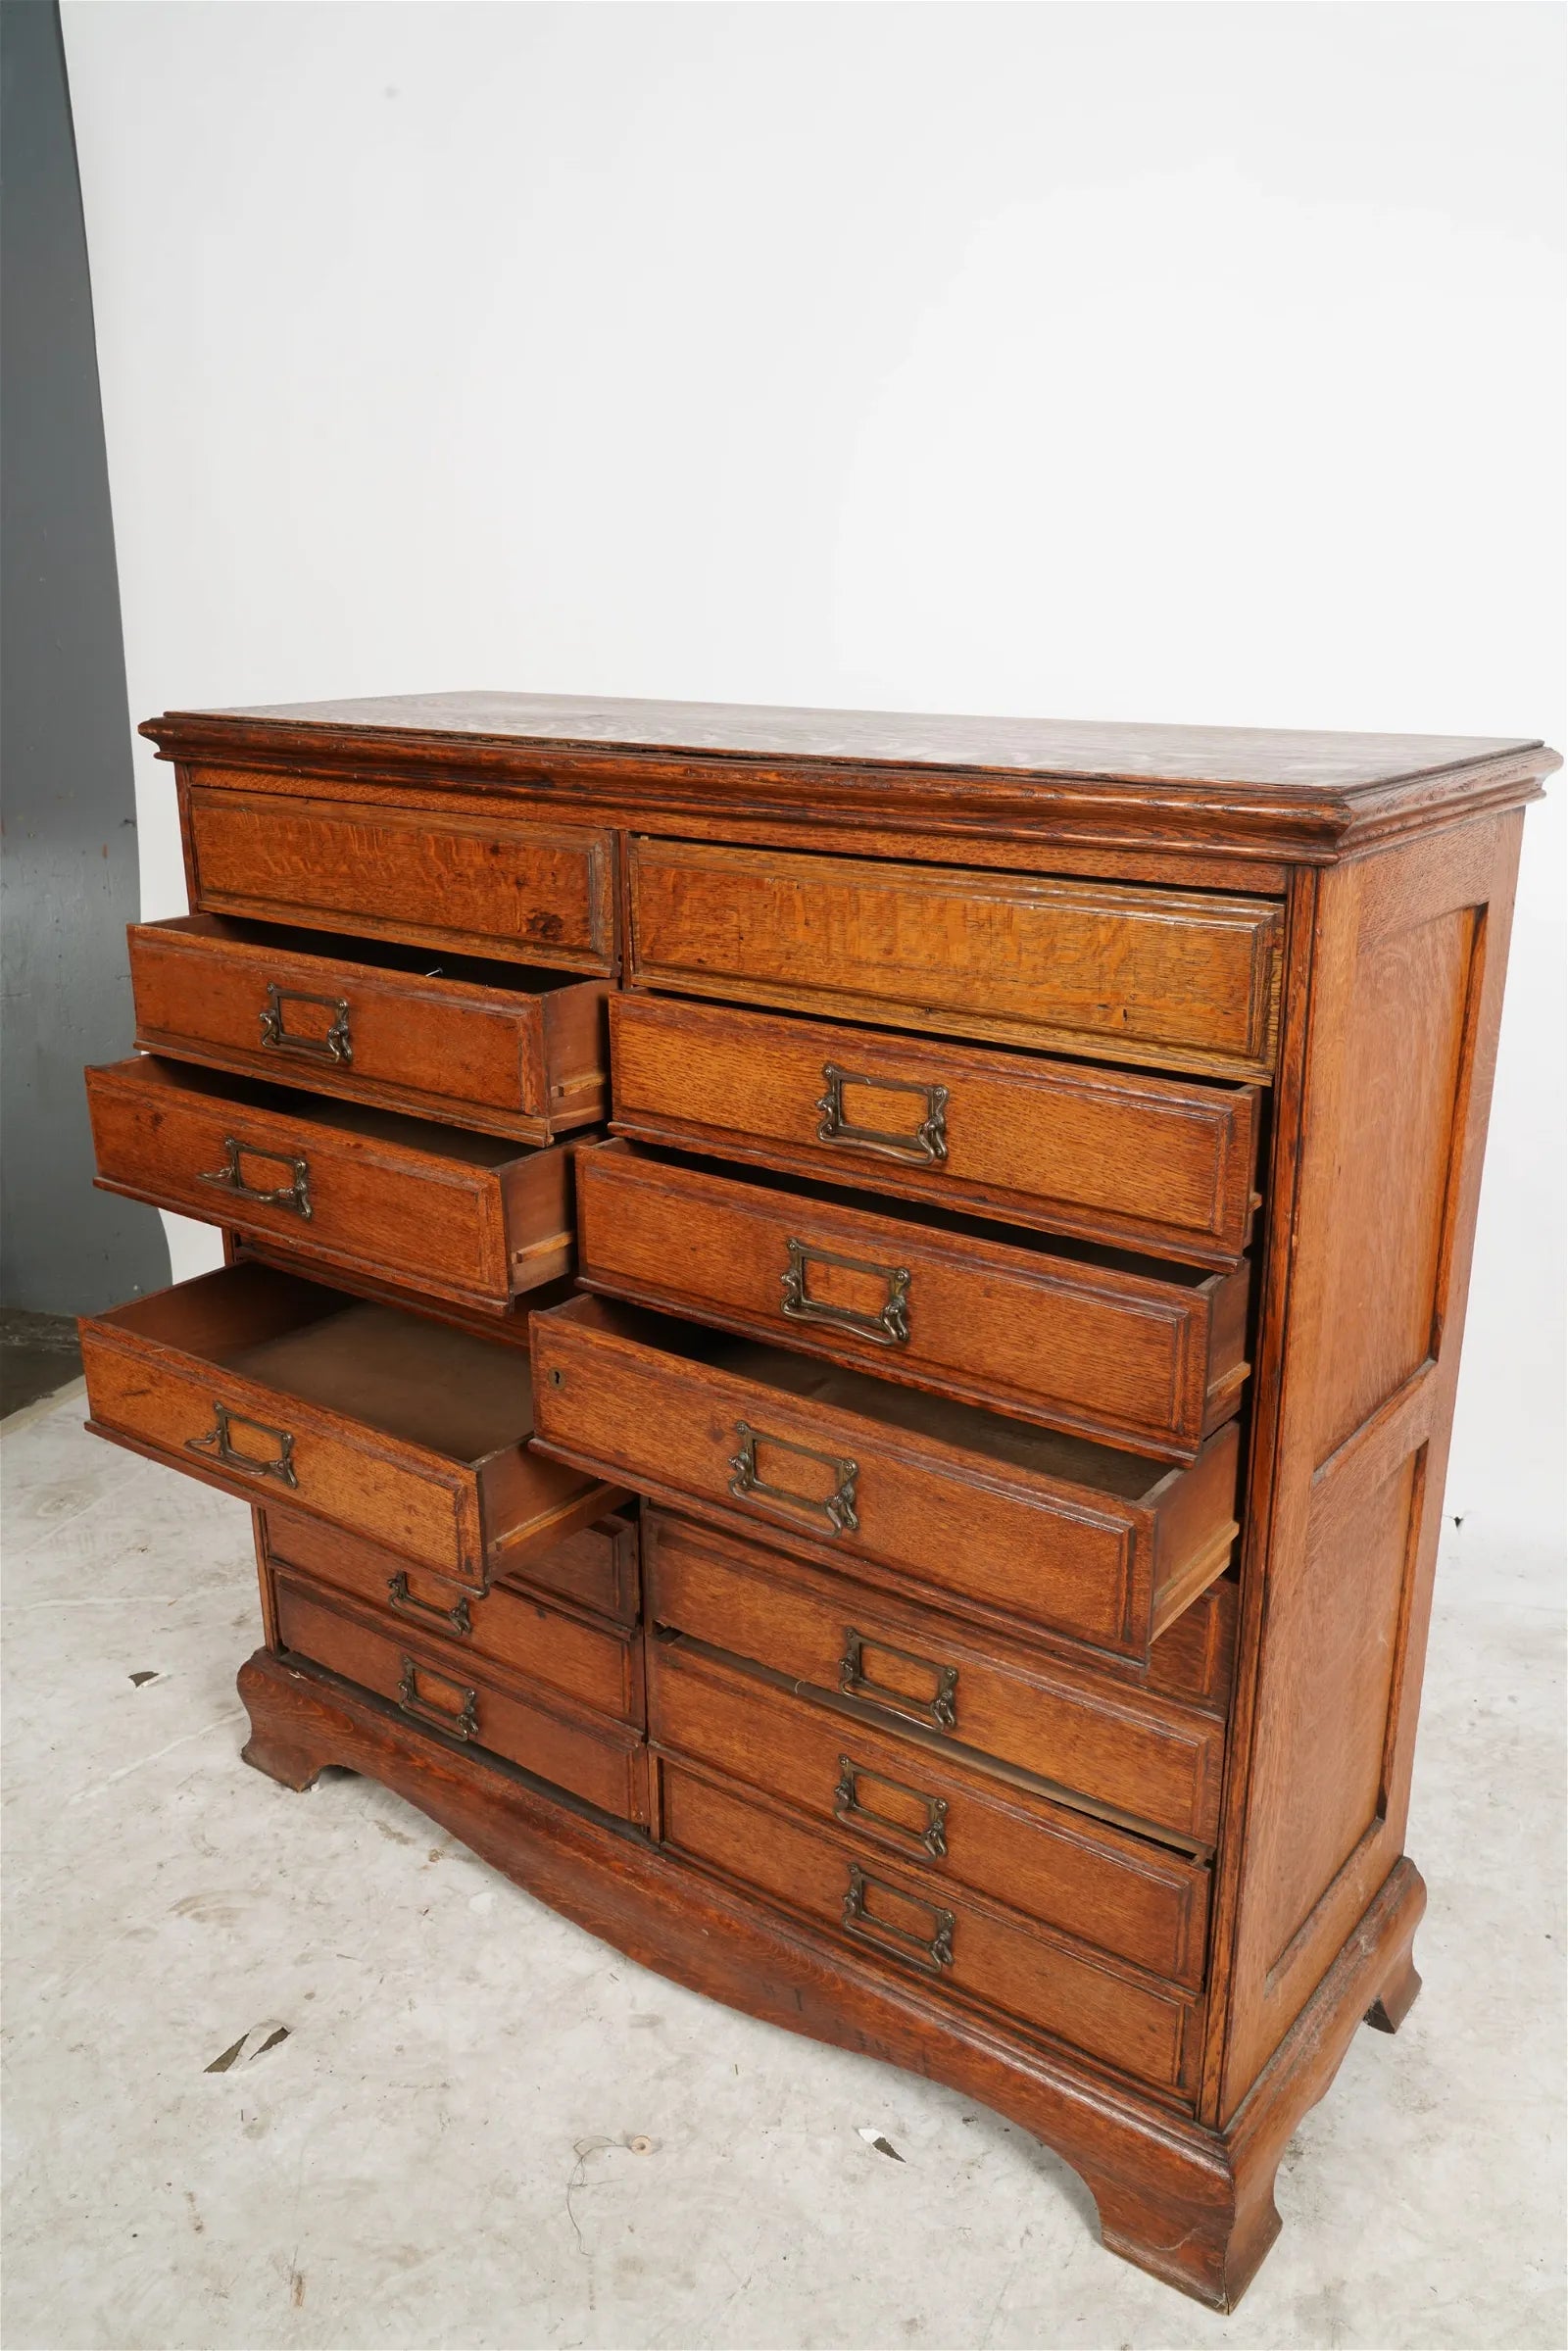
(463,1725)
(336,1046)
(451,1620)
(928,1141)
(888,1327)
(838,1507)
(933,1951)
(849,1808)
(219,1444)
(294,1196)
(940,1709)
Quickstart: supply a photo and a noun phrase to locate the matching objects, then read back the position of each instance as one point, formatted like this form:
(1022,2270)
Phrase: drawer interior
(420,1382)
(1074,1461)
(384,955)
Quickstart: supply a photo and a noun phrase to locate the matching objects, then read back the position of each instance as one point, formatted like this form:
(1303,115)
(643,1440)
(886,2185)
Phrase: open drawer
(464,1217)
(512,1051)
(404,1430)
(1029,1525)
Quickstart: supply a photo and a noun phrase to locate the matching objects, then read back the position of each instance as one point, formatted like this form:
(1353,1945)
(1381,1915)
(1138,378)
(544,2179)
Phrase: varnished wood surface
(1114,1351)
(1039,1528)
(1149,1759)
(509,1051)
(462,1217)
(1153,1163)
(947,1821)
(1175,979)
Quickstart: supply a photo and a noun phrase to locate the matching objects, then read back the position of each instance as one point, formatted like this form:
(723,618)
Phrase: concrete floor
(484,2129)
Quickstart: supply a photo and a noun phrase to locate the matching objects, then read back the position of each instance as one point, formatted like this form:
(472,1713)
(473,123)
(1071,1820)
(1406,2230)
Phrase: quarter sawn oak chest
(840,1333)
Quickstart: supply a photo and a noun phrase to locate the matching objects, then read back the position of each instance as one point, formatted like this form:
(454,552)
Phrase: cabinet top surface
(1270,759)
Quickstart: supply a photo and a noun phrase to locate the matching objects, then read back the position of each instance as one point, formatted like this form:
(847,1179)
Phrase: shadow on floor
(38,1353)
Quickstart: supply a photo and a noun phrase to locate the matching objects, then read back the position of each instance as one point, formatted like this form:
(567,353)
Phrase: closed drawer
(465,1217)
(404,1430)
(496,886)
(948,1823)
(1143,1162)
(1143,1758)
(950,1942)
(1181,980)
(1028,1525)
(599,1665)
(1091,1345)
(603,1764)
(514,1053)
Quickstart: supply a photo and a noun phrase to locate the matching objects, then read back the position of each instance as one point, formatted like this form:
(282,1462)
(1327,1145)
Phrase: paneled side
(1408,963)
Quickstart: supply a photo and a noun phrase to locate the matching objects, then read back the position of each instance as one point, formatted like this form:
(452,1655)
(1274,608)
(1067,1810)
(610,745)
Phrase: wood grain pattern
(507,1051)
(1033,1526)
(1144,1162)
(1182,981)
(1143,1758)
(532,1726)
(524,893)
(460,1216)
(948,1822)
(1148,1359)
(401,1430)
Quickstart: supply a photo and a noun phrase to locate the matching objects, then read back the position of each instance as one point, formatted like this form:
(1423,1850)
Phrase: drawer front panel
(611,1396)
(877,1909)
(946,1824)
(526,1062)
(598,1666)
(1143,1758)
(1142,1161)
(380,1207)
(487,885)
(1124,975)
(592,1761)
(1106,1353)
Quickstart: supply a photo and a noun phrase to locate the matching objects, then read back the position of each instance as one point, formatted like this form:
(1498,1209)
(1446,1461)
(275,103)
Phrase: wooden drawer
(406,1431)
(598,1762)
(1167,976)
(1143,1758)
(950,1941)
(464,1217)
(510,1052)
(496,886)
(1028,1525)
(947,1823)
(1089,1343)
(1144,1162)
(599,1665)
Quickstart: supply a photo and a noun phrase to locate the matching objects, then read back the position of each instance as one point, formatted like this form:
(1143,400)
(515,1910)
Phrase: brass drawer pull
(888,1327)
(218,1441)
(336,1046)
(838,1507)
(941,1708)
(294,1195)
(451,1620)
(465,1724)
(929,1141)
(849,1807)
(933,1951)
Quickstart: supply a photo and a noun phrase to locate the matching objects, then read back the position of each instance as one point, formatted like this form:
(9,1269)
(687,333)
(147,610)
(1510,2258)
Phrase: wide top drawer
(1170,977)
(478,1044)
(403,1430)
(499,886)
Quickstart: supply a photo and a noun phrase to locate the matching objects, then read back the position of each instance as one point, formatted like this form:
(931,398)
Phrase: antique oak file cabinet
(841,1332)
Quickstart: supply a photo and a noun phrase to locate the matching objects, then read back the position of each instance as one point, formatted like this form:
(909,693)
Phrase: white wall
(1177,362)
